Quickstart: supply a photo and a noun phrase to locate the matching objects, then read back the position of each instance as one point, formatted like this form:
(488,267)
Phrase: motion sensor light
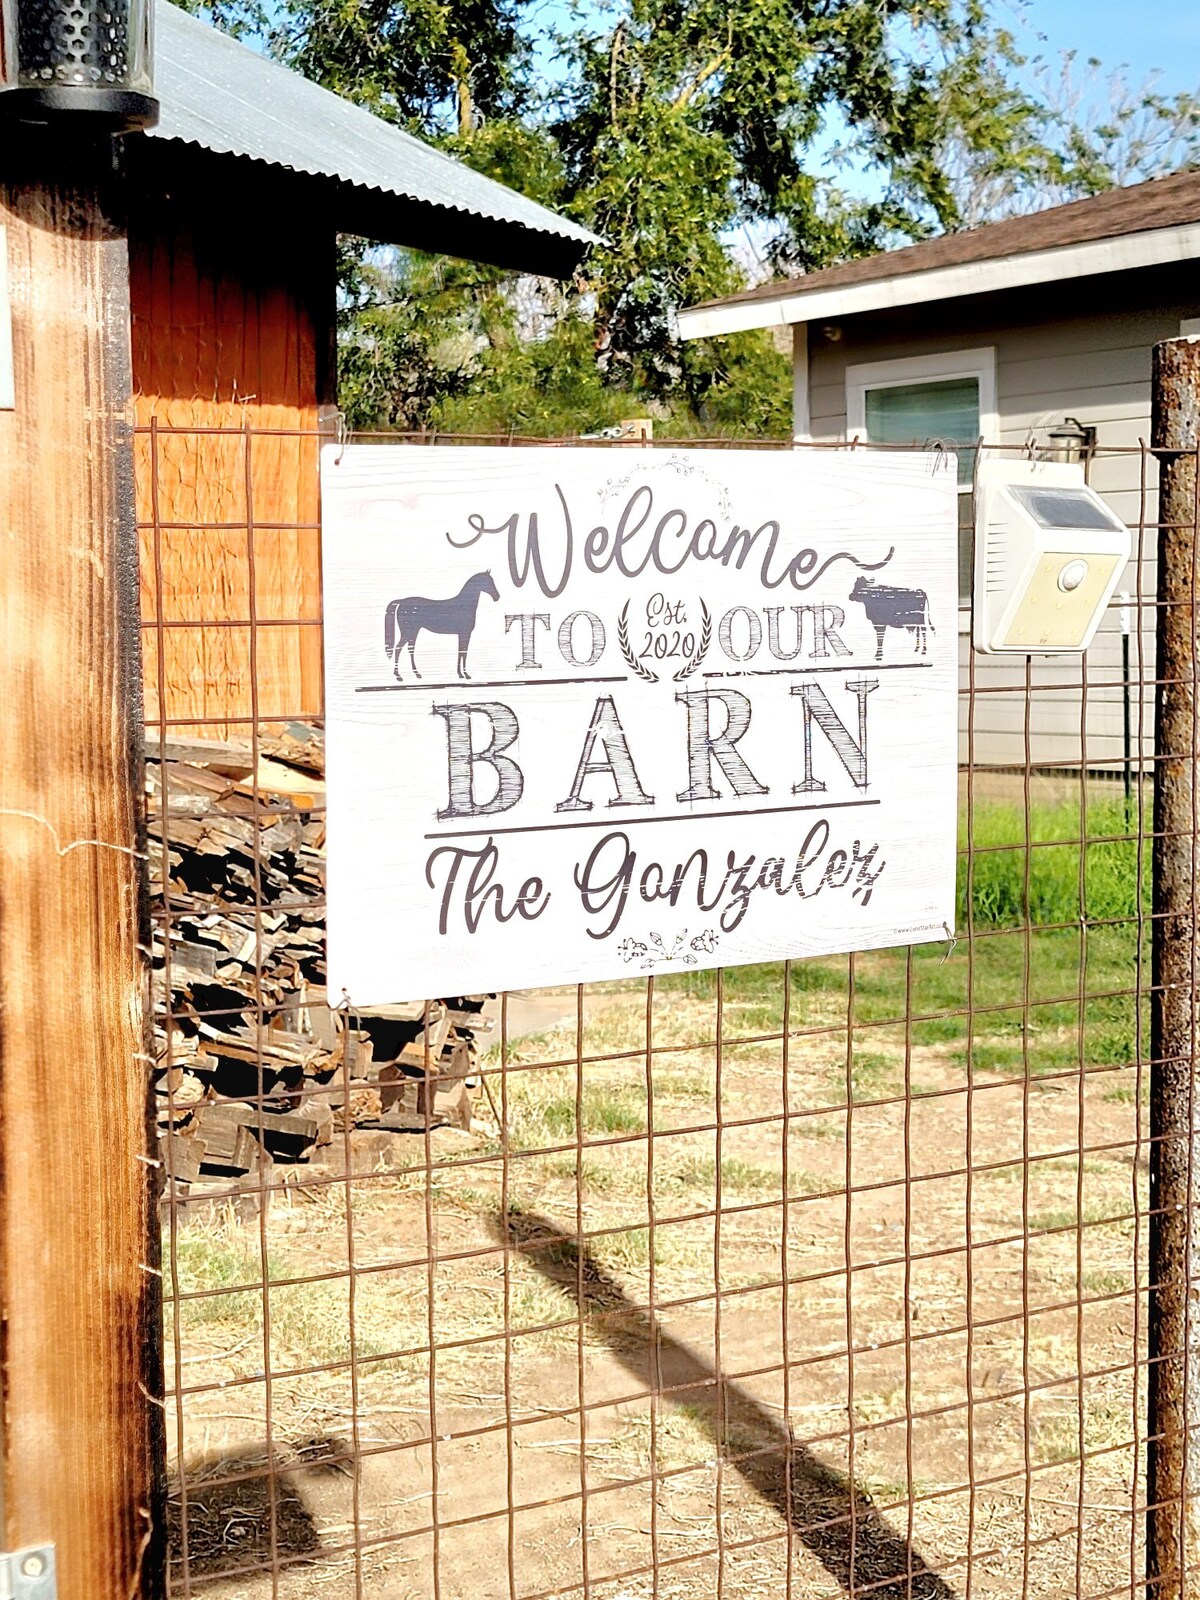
(1049,554)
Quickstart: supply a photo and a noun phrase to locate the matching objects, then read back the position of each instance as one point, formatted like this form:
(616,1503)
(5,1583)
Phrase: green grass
(603,1110)
(686,1086)
(542,1109)
(207,1260)
(629,1249)
(1068,1217)
(307,1319)
(1107,1426)
(1107,1283)
(697,1173)
(823,1128)
(995,980)
(1059,888)
(1042,989)
(1124,1094)
(547,1308)
(593,1175)
(1020,978)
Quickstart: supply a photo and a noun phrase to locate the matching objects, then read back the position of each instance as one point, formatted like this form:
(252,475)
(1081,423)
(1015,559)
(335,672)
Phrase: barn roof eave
(237,182)
(223,98)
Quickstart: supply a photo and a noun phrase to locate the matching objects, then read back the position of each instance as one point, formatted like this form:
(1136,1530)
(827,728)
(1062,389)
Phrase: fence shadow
(823,1509)
(230,1497)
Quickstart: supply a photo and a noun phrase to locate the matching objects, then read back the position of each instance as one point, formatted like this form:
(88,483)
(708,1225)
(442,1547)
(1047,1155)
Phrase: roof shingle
(1160,203)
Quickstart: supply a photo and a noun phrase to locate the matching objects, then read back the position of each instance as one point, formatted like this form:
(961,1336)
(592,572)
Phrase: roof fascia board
(1155,247)
(468,236)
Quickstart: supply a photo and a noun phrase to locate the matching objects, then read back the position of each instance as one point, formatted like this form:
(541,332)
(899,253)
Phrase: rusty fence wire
(821,1278)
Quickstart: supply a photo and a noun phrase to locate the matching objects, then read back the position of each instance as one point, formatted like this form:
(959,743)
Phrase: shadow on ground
(823,1510)
(225,1524)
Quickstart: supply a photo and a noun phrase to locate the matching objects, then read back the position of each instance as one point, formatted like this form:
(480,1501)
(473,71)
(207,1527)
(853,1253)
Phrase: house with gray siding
(1034,335)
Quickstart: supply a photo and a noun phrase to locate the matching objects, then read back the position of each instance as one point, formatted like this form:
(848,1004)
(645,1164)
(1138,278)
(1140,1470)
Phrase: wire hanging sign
(579,732)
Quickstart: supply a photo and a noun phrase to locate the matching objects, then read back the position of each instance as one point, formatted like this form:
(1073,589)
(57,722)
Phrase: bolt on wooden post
(1173,1466)
(78,1435)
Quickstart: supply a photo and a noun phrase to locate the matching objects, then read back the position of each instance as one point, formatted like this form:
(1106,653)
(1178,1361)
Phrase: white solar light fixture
(1049,554)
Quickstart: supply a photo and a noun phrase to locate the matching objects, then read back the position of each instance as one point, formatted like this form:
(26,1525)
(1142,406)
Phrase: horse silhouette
(404,620)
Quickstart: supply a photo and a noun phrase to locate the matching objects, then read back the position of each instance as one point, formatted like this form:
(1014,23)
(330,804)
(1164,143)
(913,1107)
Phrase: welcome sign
(600,713)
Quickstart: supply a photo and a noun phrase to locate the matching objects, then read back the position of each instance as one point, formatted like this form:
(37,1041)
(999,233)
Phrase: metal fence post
(1173,1467)
(78,1431)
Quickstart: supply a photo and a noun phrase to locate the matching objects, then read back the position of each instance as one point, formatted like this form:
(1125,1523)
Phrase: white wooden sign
(600,713)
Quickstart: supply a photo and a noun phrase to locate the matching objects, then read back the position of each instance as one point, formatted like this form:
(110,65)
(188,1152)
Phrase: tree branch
(707,71)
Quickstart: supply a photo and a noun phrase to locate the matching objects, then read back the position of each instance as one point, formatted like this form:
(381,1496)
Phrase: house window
(912,413)
(948,398)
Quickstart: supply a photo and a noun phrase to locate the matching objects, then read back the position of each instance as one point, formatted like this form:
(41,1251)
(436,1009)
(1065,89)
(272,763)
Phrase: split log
(237,879)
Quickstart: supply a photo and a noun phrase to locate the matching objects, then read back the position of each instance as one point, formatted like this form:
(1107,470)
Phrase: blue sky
(1165,36)
(1149,35)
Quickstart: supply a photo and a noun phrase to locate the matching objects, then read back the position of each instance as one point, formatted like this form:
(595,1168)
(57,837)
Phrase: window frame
(942,367)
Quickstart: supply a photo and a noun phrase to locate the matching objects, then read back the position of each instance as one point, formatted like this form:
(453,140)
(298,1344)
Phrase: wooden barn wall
(232,305)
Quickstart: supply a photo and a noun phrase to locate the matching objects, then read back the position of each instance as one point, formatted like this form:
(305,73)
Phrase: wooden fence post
(1173,1466)
(78,1435)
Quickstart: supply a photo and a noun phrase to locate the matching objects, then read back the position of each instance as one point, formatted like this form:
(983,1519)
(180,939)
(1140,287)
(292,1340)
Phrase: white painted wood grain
(397,523)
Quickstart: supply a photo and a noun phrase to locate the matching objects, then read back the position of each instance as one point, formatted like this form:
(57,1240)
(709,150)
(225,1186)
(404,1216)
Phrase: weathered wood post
(77,1430)
(1173,1467)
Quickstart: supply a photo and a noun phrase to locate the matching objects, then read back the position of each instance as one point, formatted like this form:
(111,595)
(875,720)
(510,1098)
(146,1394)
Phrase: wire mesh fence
(827,1277)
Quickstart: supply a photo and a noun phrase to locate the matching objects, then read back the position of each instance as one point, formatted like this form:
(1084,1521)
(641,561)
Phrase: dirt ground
(823,1389)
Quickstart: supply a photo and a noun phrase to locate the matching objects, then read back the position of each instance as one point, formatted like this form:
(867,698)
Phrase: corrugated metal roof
(226,98)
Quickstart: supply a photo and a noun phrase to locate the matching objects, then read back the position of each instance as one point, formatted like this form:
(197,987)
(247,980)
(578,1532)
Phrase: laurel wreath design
(647,674)
(631,661)
(701,648)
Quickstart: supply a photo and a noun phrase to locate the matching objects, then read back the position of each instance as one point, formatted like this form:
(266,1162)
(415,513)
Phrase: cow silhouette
(889,607)
(405,619)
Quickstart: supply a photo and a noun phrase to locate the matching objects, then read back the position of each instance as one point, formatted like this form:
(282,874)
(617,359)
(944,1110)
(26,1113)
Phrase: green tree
(1087,130)
(1105,130)
(686,118)
(825,128)
(417,332)
(438,68)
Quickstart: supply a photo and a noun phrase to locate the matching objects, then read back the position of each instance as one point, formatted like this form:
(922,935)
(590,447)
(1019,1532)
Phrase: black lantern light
(74,60)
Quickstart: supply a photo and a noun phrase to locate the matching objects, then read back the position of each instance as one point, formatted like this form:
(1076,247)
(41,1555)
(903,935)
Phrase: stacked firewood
(252,1065)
